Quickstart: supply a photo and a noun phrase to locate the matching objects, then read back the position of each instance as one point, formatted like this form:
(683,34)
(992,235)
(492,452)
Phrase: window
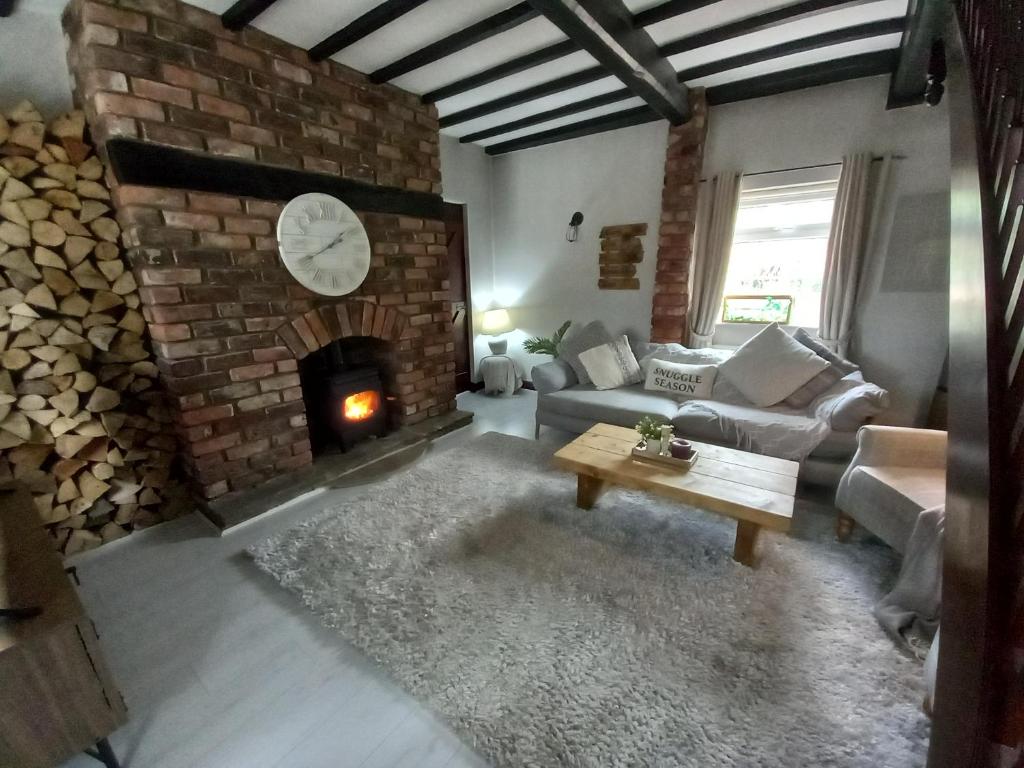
(777,262)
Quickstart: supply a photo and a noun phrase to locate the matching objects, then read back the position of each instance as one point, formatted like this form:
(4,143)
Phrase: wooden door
(458,271)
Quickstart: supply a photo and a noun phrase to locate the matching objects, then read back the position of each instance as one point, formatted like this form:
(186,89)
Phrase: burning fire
(361,405)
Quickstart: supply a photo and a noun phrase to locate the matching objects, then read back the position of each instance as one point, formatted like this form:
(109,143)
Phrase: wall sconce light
(572,232)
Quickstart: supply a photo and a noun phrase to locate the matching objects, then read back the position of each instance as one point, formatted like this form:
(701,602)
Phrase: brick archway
(319,327)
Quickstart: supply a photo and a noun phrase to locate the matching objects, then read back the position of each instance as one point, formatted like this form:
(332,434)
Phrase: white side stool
(501,375)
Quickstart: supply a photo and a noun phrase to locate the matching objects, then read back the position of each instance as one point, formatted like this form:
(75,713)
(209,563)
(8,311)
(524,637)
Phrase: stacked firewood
(83,422)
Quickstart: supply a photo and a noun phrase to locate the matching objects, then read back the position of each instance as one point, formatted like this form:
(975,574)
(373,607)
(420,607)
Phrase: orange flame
(361,405)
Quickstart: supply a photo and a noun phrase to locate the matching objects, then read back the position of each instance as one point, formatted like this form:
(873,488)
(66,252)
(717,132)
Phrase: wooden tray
(683,465)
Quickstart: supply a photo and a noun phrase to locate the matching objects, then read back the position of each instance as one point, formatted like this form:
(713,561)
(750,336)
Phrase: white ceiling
(307,22)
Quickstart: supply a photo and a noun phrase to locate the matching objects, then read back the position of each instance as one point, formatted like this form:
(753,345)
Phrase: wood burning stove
(345,399)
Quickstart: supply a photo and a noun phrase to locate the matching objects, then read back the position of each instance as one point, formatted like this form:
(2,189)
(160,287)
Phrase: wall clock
(323,244)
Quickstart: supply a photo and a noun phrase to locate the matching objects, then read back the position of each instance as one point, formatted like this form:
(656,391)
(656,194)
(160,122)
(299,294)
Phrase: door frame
(470,317)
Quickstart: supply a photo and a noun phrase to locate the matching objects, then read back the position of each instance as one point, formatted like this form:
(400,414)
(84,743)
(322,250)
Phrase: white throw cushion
(680,379)
(611,365)
(589,336)
(771,366)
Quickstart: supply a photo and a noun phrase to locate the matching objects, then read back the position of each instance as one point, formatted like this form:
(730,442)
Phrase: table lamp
(495,323)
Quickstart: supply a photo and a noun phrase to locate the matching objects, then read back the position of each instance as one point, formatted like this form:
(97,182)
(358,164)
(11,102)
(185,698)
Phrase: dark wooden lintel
(155,165)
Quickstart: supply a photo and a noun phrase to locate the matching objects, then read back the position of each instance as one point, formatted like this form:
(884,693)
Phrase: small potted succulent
(649,429)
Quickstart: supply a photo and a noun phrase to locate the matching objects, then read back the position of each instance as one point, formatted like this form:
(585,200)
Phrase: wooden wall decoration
(621,251)
(83,424)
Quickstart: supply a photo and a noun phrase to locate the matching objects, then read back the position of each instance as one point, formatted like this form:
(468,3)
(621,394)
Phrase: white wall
(612,178)
(616,178)
(901,329)
(32,62)
(466,178)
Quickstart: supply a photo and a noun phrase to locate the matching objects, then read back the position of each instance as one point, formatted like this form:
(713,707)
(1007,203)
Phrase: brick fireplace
(228,323)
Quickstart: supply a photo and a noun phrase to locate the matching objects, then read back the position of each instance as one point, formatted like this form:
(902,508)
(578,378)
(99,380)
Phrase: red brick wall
(678,213)
(229,324)
(167,72)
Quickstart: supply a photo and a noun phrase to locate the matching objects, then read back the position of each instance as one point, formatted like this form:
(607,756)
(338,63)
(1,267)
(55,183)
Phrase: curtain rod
(812,167)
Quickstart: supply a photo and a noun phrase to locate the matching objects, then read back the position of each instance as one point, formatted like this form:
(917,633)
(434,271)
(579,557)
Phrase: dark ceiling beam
(747,25)
(521,97)
(926,20)
(809,76)
(551,114)
(605,29)
(667,10)
(243,12)
(624,119)
(555,51)
(837,70)
(377,17)
(505,69)
(6,7)
(835,37)
(471,35)
(756,23)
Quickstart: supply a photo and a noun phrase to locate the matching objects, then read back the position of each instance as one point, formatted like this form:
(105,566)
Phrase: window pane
(779,250)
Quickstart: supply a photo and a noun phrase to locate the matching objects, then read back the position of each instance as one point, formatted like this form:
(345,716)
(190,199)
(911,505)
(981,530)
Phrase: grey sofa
(563,403)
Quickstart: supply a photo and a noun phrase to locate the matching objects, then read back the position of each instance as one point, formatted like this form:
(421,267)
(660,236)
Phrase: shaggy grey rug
(624,636)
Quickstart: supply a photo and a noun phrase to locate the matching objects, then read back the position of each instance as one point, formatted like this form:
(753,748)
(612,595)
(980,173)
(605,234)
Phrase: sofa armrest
(553,376)
(900,447)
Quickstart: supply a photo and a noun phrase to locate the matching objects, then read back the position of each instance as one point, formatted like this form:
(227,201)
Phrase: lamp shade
(496,321)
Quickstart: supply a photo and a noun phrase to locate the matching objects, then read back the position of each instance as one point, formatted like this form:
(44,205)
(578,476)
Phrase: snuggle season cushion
(681,379)
(591,335)
(771,366)
(611,365)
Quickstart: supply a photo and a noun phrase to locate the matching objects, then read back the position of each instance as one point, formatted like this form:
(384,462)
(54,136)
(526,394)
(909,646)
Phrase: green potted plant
(649,428)
(539,345)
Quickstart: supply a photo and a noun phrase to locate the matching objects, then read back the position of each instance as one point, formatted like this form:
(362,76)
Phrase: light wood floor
(222,669)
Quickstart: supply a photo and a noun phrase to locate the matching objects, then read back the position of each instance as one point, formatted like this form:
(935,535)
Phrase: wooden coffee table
(756,490)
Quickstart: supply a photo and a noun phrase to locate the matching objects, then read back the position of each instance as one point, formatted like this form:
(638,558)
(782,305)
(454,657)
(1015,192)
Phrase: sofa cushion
(889,499)
(771,366)
(611,365)
(779,431)
(591,335)
(680,380)
(849,404)
(622,407)
(844,366)
(553,376)
(818,385)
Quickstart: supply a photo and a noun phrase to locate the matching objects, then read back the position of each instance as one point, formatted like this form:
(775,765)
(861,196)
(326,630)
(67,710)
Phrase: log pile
(83,423)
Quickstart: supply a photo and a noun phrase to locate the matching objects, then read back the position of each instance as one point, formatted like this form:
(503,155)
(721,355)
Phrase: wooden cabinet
(57,697)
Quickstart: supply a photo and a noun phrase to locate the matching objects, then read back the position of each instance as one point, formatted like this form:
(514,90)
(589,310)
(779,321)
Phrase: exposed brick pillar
(678,212)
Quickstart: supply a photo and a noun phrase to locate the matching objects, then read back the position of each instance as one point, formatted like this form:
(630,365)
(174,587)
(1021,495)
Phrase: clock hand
(334,242)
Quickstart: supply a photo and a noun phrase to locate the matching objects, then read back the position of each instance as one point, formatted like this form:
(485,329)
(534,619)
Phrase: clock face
(323,244)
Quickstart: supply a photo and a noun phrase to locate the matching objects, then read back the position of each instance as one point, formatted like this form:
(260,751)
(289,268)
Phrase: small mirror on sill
(757,309)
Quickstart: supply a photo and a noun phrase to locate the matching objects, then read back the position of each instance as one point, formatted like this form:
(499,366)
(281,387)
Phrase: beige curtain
(856,207)
(716,219)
